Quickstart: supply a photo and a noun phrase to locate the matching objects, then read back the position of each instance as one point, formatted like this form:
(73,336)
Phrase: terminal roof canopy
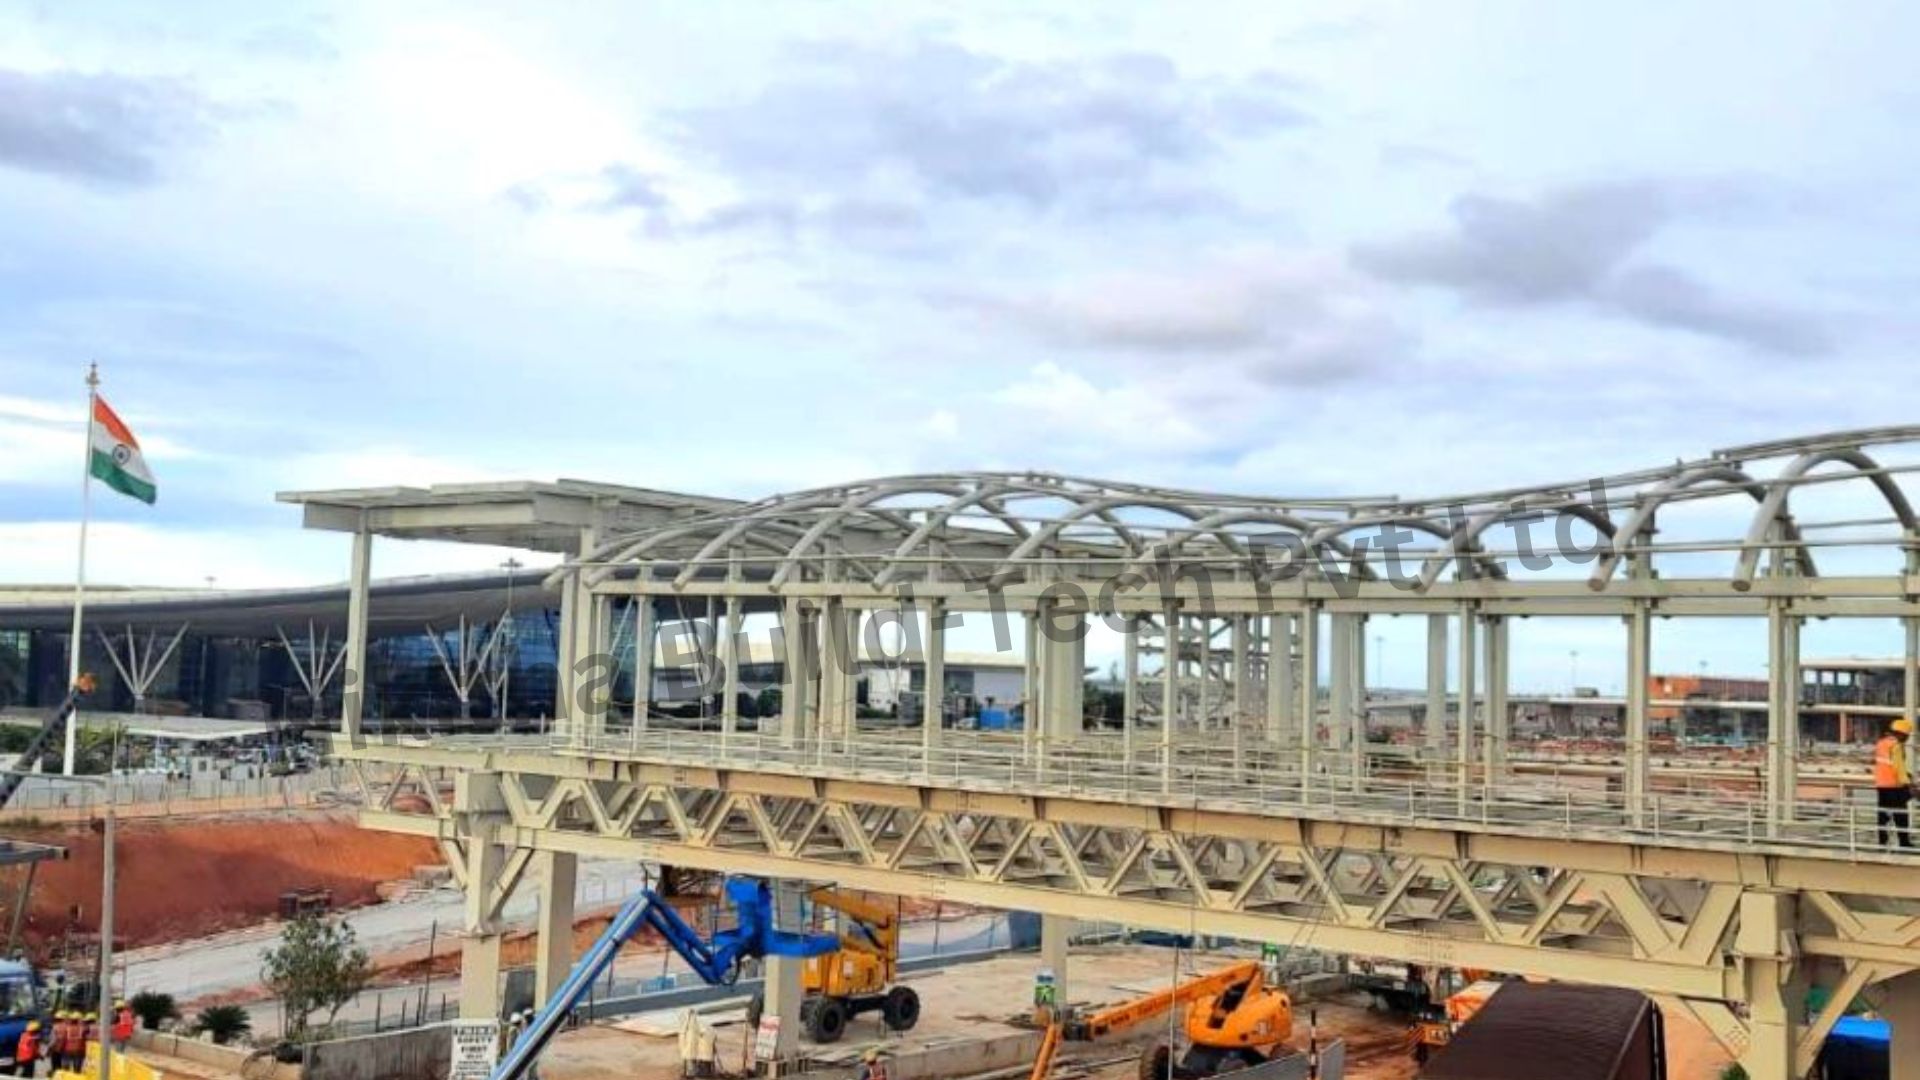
(531,515)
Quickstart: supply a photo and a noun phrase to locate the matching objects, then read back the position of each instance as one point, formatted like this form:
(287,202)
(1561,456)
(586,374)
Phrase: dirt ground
(984,1000)
(187,878)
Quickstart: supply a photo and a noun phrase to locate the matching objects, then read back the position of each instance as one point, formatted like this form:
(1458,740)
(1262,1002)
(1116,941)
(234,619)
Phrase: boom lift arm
(716,960)
(1128,1014)
(56,724)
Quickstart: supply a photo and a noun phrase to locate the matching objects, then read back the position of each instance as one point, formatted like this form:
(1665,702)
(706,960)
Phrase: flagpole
(74,641)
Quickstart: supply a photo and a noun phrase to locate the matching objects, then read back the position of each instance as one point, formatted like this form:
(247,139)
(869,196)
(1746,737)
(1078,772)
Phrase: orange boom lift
(1234,1021)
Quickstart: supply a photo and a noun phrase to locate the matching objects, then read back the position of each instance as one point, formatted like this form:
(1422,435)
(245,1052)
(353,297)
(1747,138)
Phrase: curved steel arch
(1730,476)
(1773,509)
(1469,534)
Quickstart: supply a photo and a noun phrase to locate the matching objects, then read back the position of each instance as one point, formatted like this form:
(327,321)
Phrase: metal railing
(1262,778)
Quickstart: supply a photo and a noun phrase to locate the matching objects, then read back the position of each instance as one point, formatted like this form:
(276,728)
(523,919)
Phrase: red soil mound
(186,878)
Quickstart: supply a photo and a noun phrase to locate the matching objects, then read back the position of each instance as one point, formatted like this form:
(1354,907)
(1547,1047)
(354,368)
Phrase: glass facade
(241,678)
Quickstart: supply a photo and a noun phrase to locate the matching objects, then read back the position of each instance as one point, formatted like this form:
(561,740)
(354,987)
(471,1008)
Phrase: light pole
(506,639)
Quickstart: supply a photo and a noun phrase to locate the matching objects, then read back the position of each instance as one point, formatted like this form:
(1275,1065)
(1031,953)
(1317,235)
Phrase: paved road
(231,961)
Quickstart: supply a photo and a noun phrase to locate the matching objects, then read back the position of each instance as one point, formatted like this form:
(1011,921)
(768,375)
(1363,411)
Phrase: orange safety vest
(65,1036)
(29,1047)
(1889,764)
(123,1025)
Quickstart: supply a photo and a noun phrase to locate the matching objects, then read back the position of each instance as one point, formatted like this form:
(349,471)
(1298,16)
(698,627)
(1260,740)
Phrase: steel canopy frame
(1292,828)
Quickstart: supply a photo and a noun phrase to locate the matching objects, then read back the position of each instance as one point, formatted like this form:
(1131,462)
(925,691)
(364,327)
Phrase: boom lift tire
(901,1010)
(827,1020)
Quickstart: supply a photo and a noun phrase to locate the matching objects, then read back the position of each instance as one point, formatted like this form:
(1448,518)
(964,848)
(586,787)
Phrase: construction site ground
(986,1000)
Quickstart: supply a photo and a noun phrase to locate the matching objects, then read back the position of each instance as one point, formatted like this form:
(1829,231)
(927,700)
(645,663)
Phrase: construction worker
(89,1033)
(1892,786)
(871,1067)
(26,1054)
(66,1033)
(122,1024)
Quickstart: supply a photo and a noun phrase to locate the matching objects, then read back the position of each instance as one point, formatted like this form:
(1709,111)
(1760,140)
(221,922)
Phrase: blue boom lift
(717,961)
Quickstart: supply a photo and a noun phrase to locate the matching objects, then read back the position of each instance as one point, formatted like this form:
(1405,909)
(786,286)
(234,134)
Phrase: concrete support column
(353,695)
(1055,931)
(1357,701)
(797,637)
(730,682)
(1203,666)
(480,946)
(1339,680)
(644,623)
(1309,692)
(933,701)
(1464,735)
(1283,699)
(1242,646)
(1130,685)
(839,669)
(1901,1006)
(1169,695)
(1499,725)
(558,873)
(782,990)
(1436,722)
(1031,684)
(1063,662)
(1783,711)
(1639,668)
(1774,983)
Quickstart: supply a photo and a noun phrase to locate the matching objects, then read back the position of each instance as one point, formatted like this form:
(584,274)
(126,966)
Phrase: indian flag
(116,458)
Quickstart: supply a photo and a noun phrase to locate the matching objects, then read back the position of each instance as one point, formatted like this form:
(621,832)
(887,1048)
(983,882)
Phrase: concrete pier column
(353,693)
(1339,680)
(1169,695)
(1639,667)
(1130,687)
(1309,691)
(1055,932)
(557,873)
(1499,725)
(480,945)
(839,669)
(1464,733)
(1283,699)
(1901,1005)
(1436,721)
(782,990)
(1774,983)
(730,681)
(798,636)
(1783,711)
(933,699)
(1242,646)
(1063,664)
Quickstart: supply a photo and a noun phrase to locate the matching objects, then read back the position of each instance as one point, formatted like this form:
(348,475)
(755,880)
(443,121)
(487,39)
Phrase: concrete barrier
(953,1059)
(423,1053)
(228,1059)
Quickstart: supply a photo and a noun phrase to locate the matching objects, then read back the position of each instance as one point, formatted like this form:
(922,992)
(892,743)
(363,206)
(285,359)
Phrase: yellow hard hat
(93,1016)
(871,1055)
(33,1025)
(118,1004)
(1903,726)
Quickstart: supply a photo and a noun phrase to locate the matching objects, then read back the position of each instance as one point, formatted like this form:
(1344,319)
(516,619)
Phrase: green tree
(223,1023)
(318,965)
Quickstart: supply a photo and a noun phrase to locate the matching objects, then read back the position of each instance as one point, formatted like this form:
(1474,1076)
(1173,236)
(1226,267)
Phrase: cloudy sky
(1287,249)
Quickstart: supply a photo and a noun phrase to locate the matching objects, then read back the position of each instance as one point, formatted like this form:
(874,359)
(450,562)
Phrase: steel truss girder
(1660,924)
